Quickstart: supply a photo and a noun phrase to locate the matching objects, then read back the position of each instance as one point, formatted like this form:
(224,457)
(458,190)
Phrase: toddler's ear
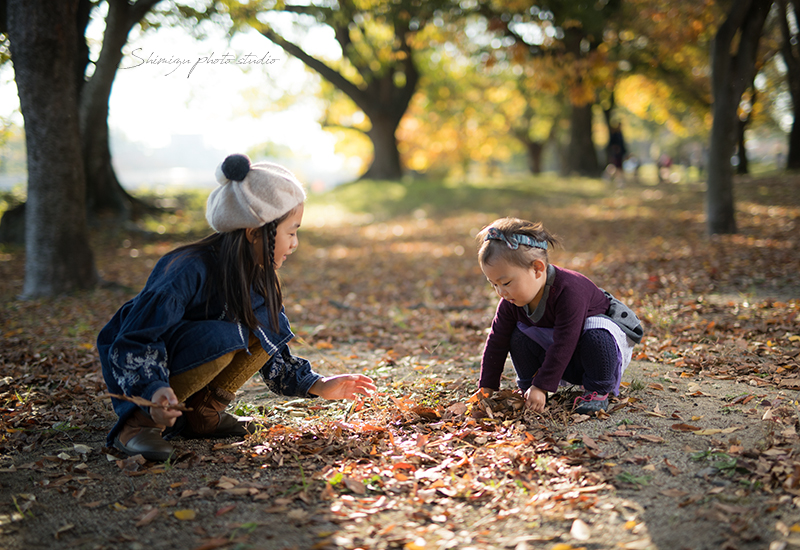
(539,267)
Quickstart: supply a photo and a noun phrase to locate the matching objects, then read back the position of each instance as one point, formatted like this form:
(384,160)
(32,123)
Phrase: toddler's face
(515,284)
(286,236)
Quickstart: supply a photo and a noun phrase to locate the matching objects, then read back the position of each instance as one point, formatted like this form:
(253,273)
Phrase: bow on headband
(514,240)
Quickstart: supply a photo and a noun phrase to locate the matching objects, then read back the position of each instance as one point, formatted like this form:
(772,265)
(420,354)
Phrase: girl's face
(516,284)
(286,236)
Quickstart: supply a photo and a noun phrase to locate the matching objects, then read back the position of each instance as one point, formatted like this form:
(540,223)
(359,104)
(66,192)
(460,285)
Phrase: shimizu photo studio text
(141,58)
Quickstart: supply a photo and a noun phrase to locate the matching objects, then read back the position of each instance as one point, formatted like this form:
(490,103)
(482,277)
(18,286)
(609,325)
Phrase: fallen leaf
(685,428)
(417,544)
(297,514)
(651,438)
(185,515)
(457,409)
(354,485)
(640,544)
(589,442)
(580,530)
(212,544)
(224,510)
(147,518)
(674,470)
(63,529)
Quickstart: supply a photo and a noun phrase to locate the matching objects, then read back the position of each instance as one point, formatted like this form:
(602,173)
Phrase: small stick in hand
(142,402)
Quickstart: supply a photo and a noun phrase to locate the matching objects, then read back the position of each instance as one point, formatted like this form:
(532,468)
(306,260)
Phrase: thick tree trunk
(732,72)
(534,156)
(582,156)
(793,160)
(44,52)
(741,149)
(386,160)
(791,57)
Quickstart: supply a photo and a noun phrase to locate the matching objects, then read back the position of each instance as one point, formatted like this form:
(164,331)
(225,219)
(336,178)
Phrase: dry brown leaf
(685,428)
(354,485)
(674,470)
(148,518)
(63,529)
(651,438)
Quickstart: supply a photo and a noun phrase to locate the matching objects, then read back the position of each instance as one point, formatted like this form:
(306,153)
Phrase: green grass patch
(389,199)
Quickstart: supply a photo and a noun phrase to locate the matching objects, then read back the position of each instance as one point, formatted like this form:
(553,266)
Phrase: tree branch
(331,75)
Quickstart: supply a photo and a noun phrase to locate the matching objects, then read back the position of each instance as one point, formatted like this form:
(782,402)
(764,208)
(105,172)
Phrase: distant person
(616,151)
(556,323)
(632,165)
(211,316)
(664,167)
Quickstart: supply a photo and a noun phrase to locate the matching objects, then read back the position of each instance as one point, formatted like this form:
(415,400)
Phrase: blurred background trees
(454,89)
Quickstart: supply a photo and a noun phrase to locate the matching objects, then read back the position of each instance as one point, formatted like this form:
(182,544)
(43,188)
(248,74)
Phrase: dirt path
(641,478)
(699,452)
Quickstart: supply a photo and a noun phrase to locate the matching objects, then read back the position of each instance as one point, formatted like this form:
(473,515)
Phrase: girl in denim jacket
(210,316)
(556,323)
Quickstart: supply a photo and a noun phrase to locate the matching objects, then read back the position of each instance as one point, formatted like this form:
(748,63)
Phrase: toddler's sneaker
(590,403)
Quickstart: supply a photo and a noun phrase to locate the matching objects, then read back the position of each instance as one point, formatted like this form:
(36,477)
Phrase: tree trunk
(791,57)
(382,100)
(44,52)
(104,192)
(582,156)
(793,160)
(534,155)
(386,160)
(732,73)
(741,150)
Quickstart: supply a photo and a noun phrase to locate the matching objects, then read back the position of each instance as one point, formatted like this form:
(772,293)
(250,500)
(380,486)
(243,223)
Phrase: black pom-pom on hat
(235,167)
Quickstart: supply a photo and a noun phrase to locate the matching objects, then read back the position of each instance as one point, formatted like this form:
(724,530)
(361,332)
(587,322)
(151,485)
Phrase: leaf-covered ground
(700,450)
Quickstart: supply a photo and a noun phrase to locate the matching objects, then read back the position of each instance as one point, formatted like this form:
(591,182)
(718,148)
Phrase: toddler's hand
(535,399)
(343,386)
(163,417)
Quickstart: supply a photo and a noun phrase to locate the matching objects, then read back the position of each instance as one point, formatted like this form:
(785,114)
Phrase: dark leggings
(593,365)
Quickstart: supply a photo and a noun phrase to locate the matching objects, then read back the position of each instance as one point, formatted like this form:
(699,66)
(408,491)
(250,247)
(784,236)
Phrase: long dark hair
(233,272)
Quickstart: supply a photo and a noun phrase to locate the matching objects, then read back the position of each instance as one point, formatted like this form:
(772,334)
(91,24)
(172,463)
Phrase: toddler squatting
(558,326)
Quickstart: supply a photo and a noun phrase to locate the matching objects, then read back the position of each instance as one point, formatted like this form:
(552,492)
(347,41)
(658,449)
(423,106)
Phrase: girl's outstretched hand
(343,386)
(163,417)
(535,399)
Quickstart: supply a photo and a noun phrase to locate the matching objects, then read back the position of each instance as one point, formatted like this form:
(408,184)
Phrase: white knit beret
(251,195)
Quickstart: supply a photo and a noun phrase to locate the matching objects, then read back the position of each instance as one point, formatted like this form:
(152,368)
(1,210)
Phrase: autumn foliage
(390,287)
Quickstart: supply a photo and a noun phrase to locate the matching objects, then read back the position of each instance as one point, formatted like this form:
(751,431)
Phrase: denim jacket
(170,327)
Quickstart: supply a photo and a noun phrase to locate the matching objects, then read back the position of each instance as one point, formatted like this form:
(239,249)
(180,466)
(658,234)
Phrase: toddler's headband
(514,240)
